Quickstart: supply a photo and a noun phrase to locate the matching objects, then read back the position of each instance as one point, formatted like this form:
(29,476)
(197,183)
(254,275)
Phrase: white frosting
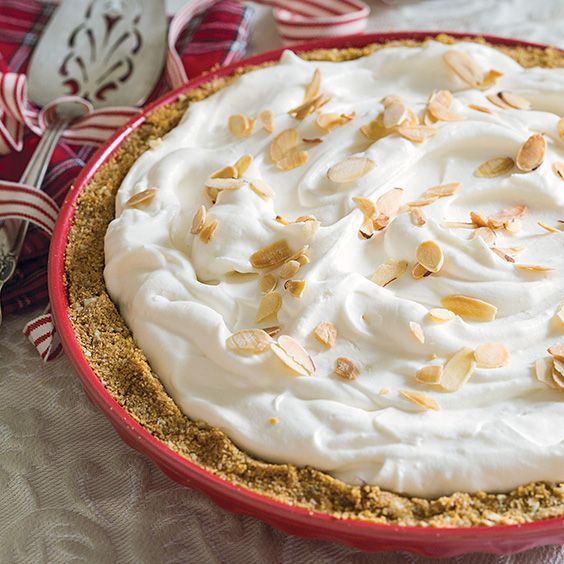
(503,428)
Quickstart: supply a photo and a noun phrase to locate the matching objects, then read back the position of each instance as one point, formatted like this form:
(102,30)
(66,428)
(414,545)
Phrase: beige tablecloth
(71,491)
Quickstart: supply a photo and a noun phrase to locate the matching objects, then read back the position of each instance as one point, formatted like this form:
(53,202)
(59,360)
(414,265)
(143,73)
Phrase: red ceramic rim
(500,539)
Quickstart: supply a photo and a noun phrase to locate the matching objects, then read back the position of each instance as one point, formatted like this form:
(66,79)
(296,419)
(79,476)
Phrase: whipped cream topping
(182,301)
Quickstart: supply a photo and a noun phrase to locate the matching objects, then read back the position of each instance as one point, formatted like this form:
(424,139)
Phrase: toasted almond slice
(388,272)
(491,355)
(478,108)
(289,269)
(367,228)
(283,143)
(326,334)
(558,374)
(298,354)
(269,305)
(395,112)
(430,255)
(478,219)
(458,370)
(225,172)
(142,198)
(531,154)
(421,400)
(268,283)
(548,228)
(419,271)
(443,98)
(463,65)
(199,220)
(241,126)
(558,168)
(490,79)
(486,234)
(441,315)
(208,231)
(417,217)
(495,167)
(422,203)
(543,371)
(350,169)
(534,268)
(312,89)
(497,101)
(389,202)
(443,190)
(557,351)
(430,375)
(248,341)
(460,224)
(560,314)
(273,331)
(375,129)
(346,368)
(267,119)
(515,100)
(307,108)
(560,127)
(225,183)
(328,122)
(261,188)
(504,217)
(288,360)
(470,308)
(302,259)
(502,253)
(313,140)
(417,331)
(416,133)
(295,287)
(243,163)
(441,113)
(293,160)
(366,206)
(272,255)
(514,226)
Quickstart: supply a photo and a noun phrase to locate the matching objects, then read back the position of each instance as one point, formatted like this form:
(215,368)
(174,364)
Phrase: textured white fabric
(71,491)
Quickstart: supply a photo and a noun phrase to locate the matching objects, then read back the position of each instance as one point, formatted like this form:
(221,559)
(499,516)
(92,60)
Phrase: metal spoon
(110,52)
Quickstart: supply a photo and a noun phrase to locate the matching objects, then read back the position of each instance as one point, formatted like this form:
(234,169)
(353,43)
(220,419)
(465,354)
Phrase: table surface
(70,490)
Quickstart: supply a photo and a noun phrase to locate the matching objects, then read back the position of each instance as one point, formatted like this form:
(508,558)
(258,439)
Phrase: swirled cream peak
(358,265)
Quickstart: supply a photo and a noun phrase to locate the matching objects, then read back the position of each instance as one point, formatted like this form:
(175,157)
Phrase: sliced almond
(289,269)
(560,127)
(463,65)
(142,198)
(558,169)
(366,206)
(312,89)
(441,315)
(486,234)
(421,400)
(307,108)
(283,143)
(387,206)
(313,140)
(241,126)
(543,371)
(367,228)
(458,370)
(417,331)
(557,351)
(430,255)
(478,220)
(422,203)
(548,228)
(558,374)
(504,217)
(268,283)
(497,101)
(225,172)
(470,308)
(417,217)
(293,355)
(350,169)
(346,368)
(531,154)
(261,188)
(208,231)
(491,355)
(267,119)
(199,220)
(534,268)
(225,183)
(478,108)
(419,271)
(497,166)
(515,100)
(461,224)
(302,259)
(248,341)
(439,105)
(326,334)
(430,375)
(513,226)
(271,256)
(388,272)
(395,112)
(295,287)
(560,314)
(502,253)
(243,163)
(269,305)
(416,133)
(328,122)
(490,79)
(443,190)
(375,129)
(273,331)
(293,160)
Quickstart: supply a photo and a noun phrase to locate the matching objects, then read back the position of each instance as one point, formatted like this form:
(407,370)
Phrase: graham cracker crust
(123,368)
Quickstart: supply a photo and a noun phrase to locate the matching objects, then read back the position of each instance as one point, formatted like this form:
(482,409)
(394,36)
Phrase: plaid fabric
(218,36)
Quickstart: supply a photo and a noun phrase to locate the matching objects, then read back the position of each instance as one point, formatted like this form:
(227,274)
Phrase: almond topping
(441,315)
(248,341)
(416,133)
(273,331)
(430,256)
(267,120)
(199,220)
(261,188)
(293,355)
(302,259)
(495,167)
(421,400)
(350,169)
(534,267)
(558,169)
(548,228)
(470,308)
(303,110)
(366,206)
(295,287)
(443,190)
(531,153)
(241,126)
(293,160)
(208,231)
(272,255)
(312,89)
(419,271)
(515,101)
(497,101)
(560,313)
(225,183)
(328,122)
(486,234)
(346,368)
(269,305)
(268,283)
(557,351)
(395,112)
(417,217)
(482,109)
(464,67)
(502,253)
(478,219)
(289,269)
(491,355)
(243,164)
(504,217)
(225,172)
(326,333)
(543,371)
(430,375)
(142,198)
(458,370)
(560,127)
(417,331)
(490,79)
(283,143)
(388,272)
(375,129)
